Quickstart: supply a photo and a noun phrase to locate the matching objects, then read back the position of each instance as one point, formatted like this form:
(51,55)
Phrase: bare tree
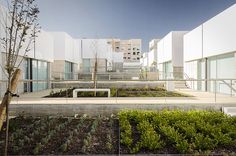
(20,28)
(95,70)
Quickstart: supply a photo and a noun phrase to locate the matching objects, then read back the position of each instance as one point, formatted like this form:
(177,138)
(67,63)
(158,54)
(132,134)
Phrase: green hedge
(184,131)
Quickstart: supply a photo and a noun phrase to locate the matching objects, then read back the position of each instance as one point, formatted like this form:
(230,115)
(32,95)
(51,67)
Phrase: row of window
(128,48)
(128,58)
(134,53)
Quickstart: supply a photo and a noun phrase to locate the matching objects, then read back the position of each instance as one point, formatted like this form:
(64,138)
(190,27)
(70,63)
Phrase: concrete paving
(198,98)
(34,104)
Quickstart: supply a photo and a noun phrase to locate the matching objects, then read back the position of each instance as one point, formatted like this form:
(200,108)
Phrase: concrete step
(181,85)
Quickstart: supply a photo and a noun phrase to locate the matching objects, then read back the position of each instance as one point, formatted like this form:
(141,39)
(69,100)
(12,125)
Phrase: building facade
(209,53)
(96,49)
(66,56)
(170,55)
(152,55)
(131,50)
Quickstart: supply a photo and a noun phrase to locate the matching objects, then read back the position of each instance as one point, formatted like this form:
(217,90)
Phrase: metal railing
(216,88)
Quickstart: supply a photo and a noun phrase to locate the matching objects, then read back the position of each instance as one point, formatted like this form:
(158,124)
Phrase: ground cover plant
(129,132)
(61,135)
(122,92)
(192,132)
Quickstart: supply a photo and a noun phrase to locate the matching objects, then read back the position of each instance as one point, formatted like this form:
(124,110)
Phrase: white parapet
(170,85)
(229,111)
(75,91)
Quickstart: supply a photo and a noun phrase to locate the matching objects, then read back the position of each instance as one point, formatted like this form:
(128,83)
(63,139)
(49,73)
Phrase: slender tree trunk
(7,123)
(4,107)
(95,77)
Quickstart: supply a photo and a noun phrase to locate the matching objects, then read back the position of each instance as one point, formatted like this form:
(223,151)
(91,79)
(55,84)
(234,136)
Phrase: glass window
(39,72)
(86,65)
(68,70)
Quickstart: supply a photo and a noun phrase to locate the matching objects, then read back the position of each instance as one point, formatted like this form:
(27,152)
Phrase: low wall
(107,84)
(100,109)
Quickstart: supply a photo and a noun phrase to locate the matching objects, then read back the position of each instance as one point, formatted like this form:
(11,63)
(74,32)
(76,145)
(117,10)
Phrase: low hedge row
(183,131)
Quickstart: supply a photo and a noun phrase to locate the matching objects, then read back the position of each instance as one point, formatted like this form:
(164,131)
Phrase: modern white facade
(170,55)
(36,63)
(209,52)
(117,62)
(144,60)
(152,55)
(96,48)
(66,56)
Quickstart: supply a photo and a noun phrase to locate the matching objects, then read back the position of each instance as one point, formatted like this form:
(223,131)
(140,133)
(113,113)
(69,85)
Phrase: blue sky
(145,19)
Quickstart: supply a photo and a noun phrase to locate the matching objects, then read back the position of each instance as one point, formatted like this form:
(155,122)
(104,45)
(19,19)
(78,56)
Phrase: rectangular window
(36,70)
(68,70)
(86,65)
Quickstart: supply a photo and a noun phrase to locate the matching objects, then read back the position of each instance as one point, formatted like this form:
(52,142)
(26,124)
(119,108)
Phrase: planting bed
(193,132)
(59,135)
(122,92)
(142,132)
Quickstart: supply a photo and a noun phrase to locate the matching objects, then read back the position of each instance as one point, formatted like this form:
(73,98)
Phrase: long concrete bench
(75,91)
(229,110)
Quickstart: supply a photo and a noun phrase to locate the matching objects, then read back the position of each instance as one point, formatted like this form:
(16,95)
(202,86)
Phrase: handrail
(230,86)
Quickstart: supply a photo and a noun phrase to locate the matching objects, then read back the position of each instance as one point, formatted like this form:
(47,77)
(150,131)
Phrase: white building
(66,56)
(152,55)
(131,50)
(144,60)
(117,62)
(96,48)
(36,63)
(170,55)
(209,52)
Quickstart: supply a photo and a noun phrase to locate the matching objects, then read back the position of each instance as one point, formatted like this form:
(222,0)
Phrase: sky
(126,19)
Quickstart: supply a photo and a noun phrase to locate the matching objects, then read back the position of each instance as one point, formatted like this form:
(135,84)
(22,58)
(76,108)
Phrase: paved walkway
(198,98)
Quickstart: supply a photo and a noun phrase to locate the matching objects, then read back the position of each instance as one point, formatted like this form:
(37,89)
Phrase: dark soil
(27,132)
(29,126)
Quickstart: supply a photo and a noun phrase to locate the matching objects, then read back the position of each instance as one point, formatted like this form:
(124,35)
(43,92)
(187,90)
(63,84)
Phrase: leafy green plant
(149,138)
(126,133)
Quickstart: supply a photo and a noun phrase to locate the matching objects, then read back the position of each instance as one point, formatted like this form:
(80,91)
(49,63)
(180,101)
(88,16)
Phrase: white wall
(117,57)
(219,33)
(193,44)
(99,46)
(77,51)
(170,48)
(43,44)
(65,47)
(44,47)
(177,48)
(151,58)
(144,59)
(217,36)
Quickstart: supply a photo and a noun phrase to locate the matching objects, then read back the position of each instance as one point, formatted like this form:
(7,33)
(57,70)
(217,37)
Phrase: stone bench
(75,91)
(229,111)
